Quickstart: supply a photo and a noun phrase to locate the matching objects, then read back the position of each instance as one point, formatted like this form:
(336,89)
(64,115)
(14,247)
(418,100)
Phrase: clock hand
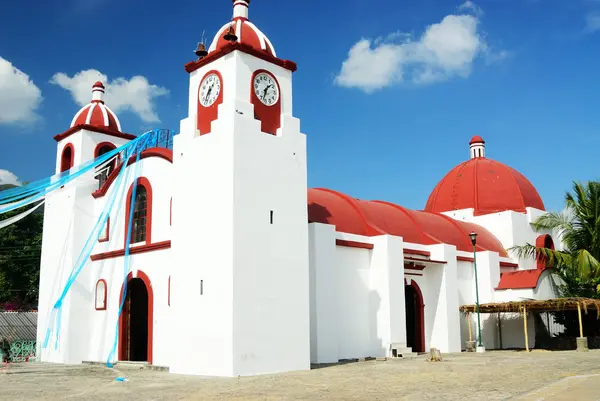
(208,94)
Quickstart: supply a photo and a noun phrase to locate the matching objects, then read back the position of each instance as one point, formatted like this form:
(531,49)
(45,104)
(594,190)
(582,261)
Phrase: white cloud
(446,49)
(6,177)
(472,7)
(592,22)
(19,96)
(136,94)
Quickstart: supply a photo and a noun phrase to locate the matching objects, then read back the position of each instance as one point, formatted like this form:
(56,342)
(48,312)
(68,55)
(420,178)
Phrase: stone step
(132,364)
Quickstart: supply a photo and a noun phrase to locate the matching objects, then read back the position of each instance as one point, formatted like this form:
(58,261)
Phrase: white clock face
(209,90)
(266,89)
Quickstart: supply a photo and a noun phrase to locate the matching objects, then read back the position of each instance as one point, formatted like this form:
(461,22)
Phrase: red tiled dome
(96,113)
(485,185)
(371,218)
(246,32)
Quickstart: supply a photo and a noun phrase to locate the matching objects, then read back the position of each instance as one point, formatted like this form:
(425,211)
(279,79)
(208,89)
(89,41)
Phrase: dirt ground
(501,375)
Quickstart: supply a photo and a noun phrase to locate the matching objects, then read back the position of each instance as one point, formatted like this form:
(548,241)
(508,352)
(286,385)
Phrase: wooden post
(580,323)
(469,324)
(525,328)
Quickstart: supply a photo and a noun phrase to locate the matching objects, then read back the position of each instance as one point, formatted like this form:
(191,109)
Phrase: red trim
(269,116)
(157,246)
(508,264)
(143,181)
(162,153)
(96,295)
(416,252)
(230,47)
(100,130)
(353,244)
(141,275)
(107,232)
(413,266)
(443,262)
(413,274)
(206,115)
(169,292)
(101,145)
(67,163)
(464,259)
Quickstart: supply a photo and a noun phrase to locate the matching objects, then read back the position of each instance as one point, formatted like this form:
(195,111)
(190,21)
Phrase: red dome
(485,185)
(371,218)
(476,139)
(96,113)
(246,32)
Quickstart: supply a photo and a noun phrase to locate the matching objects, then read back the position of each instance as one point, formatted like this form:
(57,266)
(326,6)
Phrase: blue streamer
(126,261)
(81,260)
(48,184)
(128,150)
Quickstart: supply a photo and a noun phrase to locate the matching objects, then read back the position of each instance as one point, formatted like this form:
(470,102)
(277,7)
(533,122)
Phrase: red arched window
(142,212)
(543,241)
(100,295)
(101,149)
(67,158)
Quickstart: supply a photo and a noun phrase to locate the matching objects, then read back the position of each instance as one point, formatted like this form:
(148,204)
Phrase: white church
(237,268)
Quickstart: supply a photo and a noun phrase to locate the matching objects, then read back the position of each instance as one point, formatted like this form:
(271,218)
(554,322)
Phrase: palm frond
(552,257)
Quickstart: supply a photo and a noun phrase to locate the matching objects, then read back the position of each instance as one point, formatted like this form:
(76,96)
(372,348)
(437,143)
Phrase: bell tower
(240,281)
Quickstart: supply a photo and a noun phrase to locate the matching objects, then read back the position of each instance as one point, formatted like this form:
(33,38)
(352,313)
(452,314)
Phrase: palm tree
(578,227)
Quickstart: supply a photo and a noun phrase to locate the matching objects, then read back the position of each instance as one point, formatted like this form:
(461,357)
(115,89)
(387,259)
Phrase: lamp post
(473,237)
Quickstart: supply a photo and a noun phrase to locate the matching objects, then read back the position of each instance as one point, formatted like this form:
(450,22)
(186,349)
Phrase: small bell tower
(477,147)
(240,288)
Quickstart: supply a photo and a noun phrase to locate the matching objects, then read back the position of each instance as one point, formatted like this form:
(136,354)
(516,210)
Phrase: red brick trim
(157,246)
(230,47)
(99,130)
(416,252)
(353,244)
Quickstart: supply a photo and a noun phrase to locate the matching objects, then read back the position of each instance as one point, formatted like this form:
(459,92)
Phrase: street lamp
(473,237)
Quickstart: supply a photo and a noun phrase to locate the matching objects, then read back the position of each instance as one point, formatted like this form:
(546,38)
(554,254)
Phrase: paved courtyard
(503,375)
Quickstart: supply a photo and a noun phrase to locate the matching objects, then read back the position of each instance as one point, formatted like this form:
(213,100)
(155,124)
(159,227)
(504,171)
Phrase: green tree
(20,252)
(578,227)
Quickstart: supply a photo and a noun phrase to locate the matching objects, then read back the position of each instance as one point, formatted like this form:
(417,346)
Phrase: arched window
(67,157)
(142,212)
(101,149)
(100,298)
(140,215)
(543,241)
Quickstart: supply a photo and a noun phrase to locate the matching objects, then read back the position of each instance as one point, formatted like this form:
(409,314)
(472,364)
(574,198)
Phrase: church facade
(237,268)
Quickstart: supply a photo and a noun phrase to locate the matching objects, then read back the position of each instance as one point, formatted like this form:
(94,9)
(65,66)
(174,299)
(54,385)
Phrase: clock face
(266,89)
(209,90)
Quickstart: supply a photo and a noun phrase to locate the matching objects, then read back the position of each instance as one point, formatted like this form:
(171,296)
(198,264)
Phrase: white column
(387,284)
(488,277)
(441,303)
(323,294)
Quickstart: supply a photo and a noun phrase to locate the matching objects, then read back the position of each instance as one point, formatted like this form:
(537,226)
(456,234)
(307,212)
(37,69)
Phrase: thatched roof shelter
(547,305)
(532,305)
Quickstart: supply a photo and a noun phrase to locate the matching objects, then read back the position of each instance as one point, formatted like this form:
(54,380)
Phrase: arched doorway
(415,317)
(135,323)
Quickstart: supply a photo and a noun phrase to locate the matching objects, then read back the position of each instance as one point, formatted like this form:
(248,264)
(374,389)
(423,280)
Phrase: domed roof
(245,31)
(96,113)
(372,218)
(485,185)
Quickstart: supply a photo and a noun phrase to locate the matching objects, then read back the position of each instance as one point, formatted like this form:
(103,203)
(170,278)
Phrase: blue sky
(388,92)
